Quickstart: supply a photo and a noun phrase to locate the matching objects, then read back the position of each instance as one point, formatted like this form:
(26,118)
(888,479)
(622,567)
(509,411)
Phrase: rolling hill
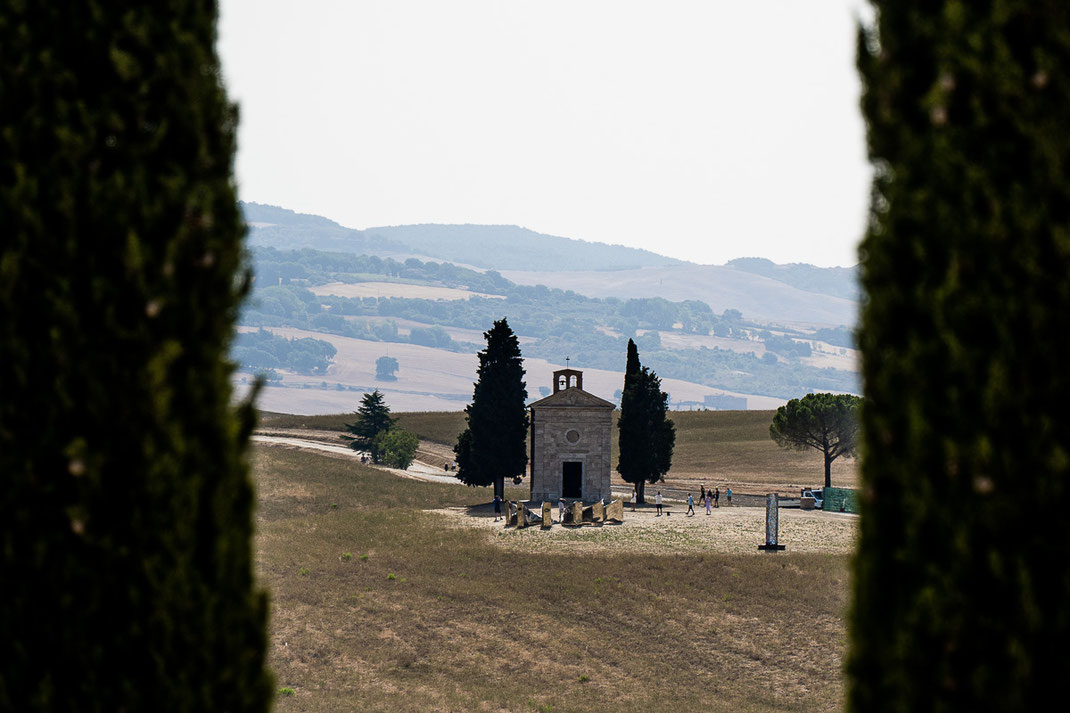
(751,328)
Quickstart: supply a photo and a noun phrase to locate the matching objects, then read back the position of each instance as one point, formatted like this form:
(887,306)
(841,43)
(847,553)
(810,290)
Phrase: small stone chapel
(570,432)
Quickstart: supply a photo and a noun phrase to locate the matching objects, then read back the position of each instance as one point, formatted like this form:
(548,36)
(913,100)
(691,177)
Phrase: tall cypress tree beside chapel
(961,578)
(631,366)
(646,435)
(126,533)
(492,446)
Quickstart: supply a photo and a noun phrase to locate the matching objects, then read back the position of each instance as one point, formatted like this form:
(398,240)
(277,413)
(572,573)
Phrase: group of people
(711,498)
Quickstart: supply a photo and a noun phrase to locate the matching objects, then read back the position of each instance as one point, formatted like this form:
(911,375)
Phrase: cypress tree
(127,506)
(631,367)
(645,435)
(961,586)
(492,444)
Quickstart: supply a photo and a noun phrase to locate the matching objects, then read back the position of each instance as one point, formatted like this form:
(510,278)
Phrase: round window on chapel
(572,436)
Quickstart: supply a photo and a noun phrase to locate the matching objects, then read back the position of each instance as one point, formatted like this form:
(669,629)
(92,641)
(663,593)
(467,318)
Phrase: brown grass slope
(444,619)
(715,448)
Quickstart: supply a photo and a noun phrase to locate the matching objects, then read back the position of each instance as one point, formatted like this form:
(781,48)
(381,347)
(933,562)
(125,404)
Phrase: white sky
(703,130)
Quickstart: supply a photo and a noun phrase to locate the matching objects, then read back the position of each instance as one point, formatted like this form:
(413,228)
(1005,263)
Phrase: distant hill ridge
(508,247)
(493,247)
(835,281)
(283,229)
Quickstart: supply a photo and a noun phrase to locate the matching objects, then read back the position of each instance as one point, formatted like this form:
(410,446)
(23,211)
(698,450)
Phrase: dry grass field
(380,604)
(428,379)
(714,448)
(396,289)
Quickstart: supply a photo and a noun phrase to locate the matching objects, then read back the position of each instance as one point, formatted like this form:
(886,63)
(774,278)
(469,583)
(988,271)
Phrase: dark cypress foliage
(962,591)
(646,435)
(127,508)
(492,446)
(631,367)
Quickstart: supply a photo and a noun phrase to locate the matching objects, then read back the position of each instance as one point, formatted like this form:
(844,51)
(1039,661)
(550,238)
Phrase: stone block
(510,518)
(577,513)
(806,503)
(599,512)
(615,511)
(547,518)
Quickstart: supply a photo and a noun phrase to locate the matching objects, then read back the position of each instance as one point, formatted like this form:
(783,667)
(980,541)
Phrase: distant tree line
(836,336)
(836,281)
(542,303)
(785,346)
(275,267)
(595,331)
(293,306)
(263,350)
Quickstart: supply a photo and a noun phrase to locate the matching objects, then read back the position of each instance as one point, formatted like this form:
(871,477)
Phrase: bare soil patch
(396,289)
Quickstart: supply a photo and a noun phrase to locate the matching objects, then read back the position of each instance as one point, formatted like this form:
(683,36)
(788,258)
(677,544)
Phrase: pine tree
(373,419)
(126,535)
(646,435)
(492,446)
(961,588)
(823,422)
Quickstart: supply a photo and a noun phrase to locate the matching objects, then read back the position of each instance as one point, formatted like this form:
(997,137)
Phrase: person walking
(702,492)
(717,497)
(709,501)
(497,508)
(657,501)
(635,497)
(690,504)
(728,495)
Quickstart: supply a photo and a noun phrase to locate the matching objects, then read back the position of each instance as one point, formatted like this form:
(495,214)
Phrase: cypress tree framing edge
(127,502)
(961,584)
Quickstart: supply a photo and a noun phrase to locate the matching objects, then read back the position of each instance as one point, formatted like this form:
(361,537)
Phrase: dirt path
(416,471)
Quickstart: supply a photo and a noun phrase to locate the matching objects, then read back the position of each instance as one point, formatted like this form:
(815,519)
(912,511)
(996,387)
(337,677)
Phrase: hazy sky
(704,130)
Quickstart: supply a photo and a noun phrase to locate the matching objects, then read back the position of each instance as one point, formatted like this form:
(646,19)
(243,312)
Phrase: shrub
(396,448)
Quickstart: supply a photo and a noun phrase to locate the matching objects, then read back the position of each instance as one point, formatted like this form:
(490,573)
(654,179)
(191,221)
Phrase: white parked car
(816,494)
